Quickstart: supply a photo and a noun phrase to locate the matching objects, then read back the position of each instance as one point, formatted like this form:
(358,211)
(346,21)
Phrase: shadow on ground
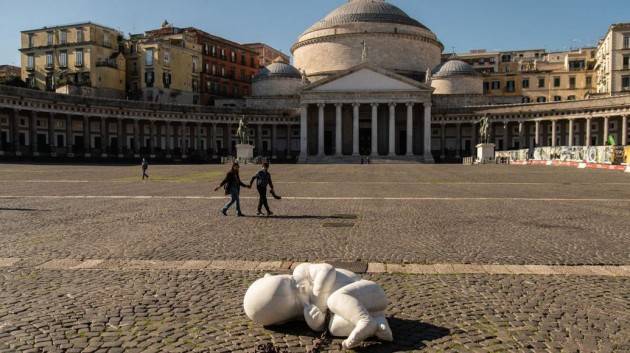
(22,209)
(408,335)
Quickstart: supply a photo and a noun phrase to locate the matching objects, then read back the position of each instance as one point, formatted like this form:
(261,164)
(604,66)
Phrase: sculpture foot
(365,328)
(384,332)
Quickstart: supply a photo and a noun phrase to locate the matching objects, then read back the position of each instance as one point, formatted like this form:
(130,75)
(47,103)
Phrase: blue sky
(464,25)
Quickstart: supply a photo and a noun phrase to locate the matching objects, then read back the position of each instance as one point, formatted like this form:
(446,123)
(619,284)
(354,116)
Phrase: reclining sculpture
(357,307)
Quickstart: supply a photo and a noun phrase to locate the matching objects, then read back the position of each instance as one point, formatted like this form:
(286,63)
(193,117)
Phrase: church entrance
(365,141)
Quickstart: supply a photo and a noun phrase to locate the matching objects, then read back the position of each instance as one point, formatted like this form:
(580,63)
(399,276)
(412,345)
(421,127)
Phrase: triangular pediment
(366,78)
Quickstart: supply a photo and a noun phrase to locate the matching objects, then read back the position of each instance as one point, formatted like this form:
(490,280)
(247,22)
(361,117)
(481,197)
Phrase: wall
(276,86)
(458,85)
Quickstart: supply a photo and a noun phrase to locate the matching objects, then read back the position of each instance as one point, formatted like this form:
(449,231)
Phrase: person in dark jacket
(232,185)
(263,179)
(145,166)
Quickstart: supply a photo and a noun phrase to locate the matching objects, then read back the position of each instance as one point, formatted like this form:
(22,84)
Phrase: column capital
(321,105)
(428,104)
(392,104)
(410,104)
(338,105)
(375,105)
(356,105)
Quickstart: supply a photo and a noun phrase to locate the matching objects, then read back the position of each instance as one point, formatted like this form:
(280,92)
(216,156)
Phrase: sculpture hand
(314,317)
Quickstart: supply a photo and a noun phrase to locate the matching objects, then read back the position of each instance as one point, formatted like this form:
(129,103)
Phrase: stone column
(570,139)
(192,137)
(392,129)
(320,129)
(553,133)
(624,130)
(199,139)
(303,132)
(274,136)
(507,135)
(69,135)
(473,142)
(209,139)
(458,142)
(152,137)
(521,135)
(87,143)
(428,157)
(32,124)
(587,130)
(51,132)
(442,141)
(259,143)
(288,149)
(537,133)
(136,137)
(184,147)
(355,129)
(212,140)
(15,129)
(338,140)
(121,137)
(410,129)
(104,136)
(374,149)
(605,136)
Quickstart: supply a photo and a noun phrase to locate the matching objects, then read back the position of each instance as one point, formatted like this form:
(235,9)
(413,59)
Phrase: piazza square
(365,188)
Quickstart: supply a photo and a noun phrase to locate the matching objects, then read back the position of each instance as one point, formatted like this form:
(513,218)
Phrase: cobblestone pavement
(459,215)
(390,214)
(181,311)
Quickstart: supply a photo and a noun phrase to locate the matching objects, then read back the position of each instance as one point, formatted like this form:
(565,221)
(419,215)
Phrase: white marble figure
(357,307)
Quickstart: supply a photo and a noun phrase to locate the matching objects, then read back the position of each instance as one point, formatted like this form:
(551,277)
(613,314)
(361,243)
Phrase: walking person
(145,166)
(263,179)
(232,185)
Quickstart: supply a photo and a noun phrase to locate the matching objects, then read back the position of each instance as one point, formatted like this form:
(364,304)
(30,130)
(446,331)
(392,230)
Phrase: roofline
(72,25)
(217,38)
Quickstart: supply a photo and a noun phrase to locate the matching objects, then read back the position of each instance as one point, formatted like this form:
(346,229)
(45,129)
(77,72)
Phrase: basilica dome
(367,30)
(277,79)
(456,77)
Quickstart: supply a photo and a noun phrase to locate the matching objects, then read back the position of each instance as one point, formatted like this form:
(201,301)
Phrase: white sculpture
(357,306)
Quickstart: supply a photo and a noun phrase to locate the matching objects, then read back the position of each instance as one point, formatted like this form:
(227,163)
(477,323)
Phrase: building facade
(81,59)
(266,54)
(8,72)
(613,61)
(164,68)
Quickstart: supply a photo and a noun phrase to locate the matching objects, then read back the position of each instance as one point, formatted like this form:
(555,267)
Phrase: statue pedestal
(485,153)
(244,153)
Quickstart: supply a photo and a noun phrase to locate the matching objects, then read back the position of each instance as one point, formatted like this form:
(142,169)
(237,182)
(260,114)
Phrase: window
(167,57)
(107,40)
(557,98)
(506,58)
(166,79)
(78,60)
(510,86)
(223,54)
(222,71)
(496,84)
(626,62)
(589,81)
(214,70)
(195,85)
(194,64)
(572,82)
(30,39)
(626,41)
(30,62)
(80,36)
(235,91)
(526,83)
(49,40)
(149,78)
(233,56)
(541,99)
(148,57)
(49,59)
(541,83)
(526,100)
(243,59)
(486,87)
(556,82)
(63,37)
(571,98)
(625,83)
(63,58)
(213,50)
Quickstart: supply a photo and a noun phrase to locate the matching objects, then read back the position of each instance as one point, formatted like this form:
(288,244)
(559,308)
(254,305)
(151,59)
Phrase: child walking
(263,179)
(232,184)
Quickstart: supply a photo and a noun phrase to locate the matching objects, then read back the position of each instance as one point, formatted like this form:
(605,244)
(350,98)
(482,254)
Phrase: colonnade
(37,133)
(360,124)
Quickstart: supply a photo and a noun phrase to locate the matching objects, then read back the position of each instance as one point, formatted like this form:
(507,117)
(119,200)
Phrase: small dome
(278,69)
(365,11)
(454,68)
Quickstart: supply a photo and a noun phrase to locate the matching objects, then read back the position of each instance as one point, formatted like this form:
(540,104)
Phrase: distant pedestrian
(145,167)
(263,179)
(232,185)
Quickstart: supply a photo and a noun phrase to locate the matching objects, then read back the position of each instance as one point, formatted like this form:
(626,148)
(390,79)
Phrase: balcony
(107,63)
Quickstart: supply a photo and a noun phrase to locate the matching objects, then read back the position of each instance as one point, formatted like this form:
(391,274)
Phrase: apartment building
(613,61)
